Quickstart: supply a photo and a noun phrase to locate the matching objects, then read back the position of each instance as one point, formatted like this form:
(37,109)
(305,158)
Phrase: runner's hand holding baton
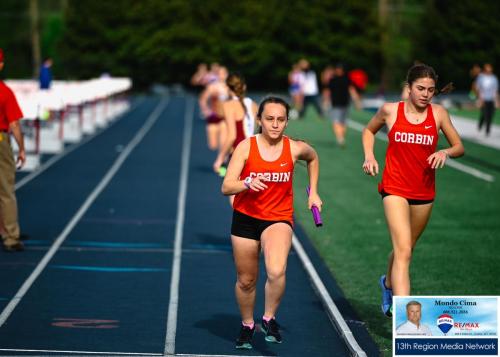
(315,211)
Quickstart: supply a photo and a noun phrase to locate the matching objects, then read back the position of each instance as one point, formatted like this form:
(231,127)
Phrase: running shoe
(244,340)
(272,331)
(386,297)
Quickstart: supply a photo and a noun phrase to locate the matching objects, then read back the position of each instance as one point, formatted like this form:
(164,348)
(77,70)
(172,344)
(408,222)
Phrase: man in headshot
(413,325)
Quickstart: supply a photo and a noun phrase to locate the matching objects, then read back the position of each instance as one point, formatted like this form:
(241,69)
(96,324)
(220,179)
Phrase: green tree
(454,35)
(163,41)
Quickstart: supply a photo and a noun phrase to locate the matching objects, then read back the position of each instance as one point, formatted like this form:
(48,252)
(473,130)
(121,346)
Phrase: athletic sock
(267,319)
(251,325)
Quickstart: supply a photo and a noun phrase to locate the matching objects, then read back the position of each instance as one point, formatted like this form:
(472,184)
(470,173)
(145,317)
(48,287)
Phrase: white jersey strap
(248,120)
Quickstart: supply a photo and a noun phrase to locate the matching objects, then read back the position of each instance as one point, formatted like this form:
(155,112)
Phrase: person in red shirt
(408,181)
(260,174)
(10,113)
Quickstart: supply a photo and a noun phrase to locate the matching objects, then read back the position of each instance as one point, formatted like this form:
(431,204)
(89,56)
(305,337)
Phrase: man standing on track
(10,113)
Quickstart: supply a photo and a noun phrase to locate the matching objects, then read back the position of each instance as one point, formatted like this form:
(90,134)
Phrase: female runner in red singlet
(239,114)
(260,174)
(408,181)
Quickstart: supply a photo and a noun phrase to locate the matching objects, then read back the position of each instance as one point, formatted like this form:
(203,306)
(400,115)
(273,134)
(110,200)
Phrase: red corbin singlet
(407,172)
(275,203)
(240,133)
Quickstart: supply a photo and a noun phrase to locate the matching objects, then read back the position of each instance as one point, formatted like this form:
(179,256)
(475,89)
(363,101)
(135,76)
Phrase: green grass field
(456,254)
(473,114)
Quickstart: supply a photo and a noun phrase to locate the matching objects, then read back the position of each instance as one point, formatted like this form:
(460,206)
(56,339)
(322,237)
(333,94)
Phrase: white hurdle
(66,112)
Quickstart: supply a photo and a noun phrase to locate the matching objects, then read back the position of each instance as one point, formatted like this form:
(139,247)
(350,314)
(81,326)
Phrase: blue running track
(111,225)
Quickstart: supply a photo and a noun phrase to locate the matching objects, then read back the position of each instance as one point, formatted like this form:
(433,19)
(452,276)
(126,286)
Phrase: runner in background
(211,104)
(296,81)
(199,79)
(239,114)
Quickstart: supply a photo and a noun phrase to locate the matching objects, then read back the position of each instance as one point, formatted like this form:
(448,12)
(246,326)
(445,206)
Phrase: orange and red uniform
(407,172)
(275,203)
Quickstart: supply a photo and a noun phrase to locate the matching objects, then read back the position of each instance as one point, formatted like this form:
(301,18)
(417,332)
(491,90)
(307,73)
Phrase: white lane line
(470,170)
(83,352)
(88,202)
(452,163)
(58,157)
(113,354)
(333,312)
(467,129)
(187,355)
(179,227)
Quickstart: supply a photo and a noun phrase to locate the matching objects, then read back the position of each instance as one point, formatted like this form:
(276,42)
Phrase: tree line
(158,41)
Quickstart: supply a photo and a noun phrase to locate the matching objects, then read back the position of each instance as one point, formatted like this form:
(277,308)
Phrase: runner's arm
(233,183)
(370,166)
(305,152)
(356,98)
(456,149)
(204,96)
(230,138)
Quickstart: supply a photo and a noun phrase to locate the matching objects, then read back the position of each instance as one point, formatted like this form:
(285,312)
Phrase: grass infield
(473,114)
(456,255)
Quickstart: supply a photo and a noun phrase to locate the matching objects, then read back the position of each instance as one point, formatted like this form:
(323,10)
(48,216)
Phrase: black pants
(311,99)
(487,113)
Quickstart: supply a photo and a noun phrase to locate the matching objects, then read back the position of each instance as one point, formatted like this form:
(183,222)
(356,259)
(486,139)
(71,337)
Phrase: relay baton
(315,212)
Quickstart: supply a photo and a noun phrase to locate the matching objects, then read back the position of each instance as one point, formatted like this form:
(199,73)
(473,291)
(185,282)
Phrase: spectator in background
(487,89)
(309,87)
(474,72)
(359,79)
(327,74)
(296,81)
(341,91)
(10,114)
(46,74)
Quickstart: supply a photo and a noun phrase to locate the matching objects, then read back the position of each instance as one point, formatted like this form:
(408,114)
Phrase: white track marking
(332,310)
(113,354)
(88,202)
(179,227)
(58,353)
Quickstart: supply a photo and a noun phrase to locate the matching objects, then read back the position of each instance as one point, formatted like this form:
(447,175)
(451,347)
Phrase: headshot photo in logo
(445,323)
(413,326)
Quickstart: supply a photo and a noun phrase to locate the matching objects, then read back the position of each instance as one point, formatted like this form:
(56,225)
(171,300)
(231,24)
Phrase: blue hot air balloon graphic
(445,323)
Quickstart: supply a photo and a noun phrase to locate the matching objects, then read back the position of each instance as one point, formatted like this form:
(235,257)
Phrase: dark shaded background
(158,41)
